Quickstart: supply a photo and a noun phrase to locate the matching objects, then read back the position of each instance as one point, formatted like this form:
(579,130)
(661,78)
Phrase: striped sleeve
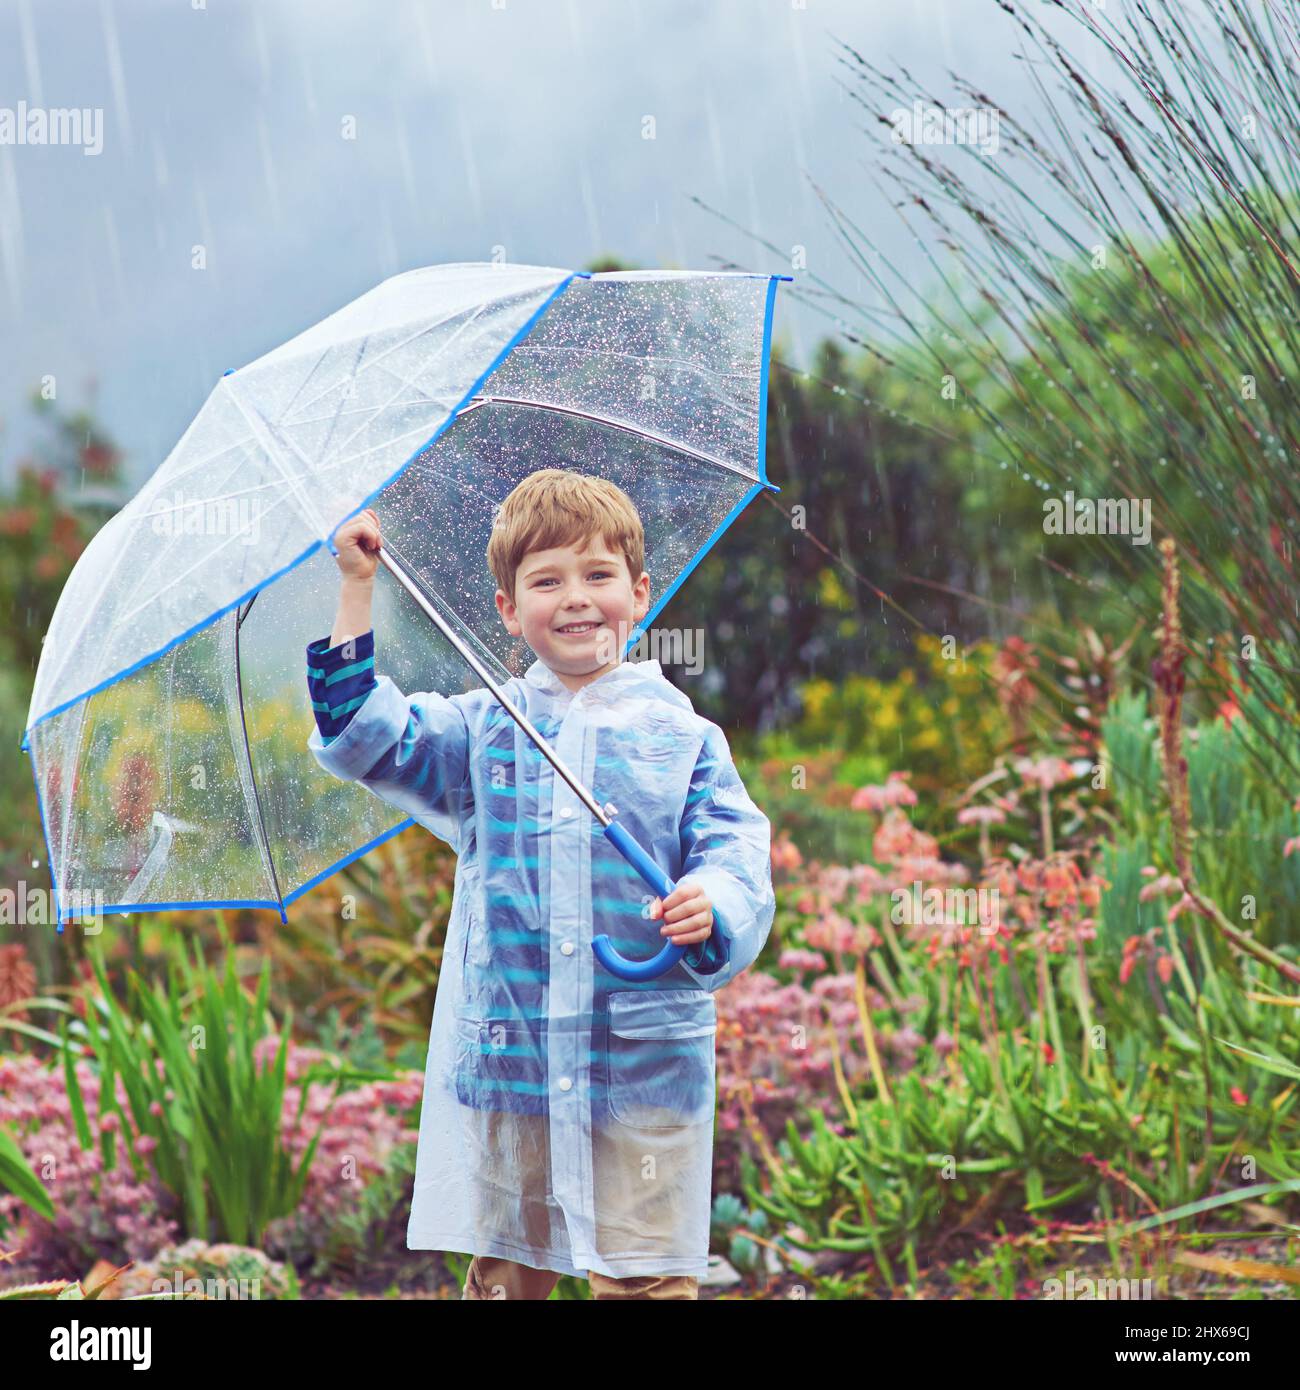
(726,843)
(707,957)
(340,679)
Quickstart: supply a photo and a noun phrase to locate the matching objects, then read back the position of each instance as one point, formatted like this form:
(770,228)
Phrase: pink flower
(1166,883)
(831,933)
(981,815)
(785,853)
(1181,905)
(1293,844)
(795,958)
(911,867)
(897,838)
(868,880)
(894,792)
(1046,772)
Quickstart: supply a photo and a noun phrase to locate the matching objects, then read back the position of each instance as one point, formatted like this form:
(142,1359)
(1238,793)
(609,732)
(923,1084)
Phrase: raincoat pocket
(661,1057)
(499,1064)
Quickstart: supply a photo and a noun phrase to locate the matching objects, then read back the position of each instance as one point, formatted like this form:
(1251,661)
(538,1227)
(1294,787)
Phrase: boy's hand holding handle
(684,907)
(687,914)
(358,543)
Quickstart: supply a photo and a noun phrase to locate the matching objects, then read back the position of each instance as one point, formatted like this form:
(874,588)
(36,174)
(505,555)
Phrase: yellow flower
(886,717)
(815,695)
(830,592)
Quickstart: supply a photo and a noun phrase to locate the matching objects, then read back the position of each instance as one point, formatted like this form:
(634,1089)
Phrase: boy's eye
(595,574)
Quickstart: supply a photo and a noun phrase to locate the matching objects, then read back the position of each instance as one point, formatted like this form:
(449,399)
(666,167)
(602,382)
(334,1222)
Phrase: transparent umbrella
(167,718)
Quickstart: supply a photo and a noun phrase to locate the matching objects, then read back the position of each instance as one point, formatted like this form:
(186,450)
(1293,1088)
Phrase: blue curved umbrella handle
(625,969)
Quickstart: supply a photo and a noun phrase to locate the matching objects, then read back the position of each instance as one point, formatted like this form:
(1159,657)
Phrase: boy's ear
(507,610)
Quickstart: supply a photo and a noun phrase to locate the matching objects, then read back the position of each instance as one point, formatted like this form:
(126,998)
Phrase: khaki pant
(620,1198)
(491,1278)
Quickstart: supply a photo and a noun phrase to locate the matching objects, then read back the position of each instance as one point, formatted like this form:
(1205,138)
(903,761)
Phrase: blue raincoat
(567,1118)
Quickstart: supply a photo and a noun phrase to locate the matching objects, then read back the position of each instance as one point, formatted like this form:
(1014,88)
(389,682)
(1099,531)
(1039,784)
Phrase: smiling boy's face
(586,587)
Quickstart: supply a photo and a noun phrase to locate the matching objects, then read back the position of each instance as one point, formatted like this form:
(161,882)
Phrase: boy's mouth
(578,629)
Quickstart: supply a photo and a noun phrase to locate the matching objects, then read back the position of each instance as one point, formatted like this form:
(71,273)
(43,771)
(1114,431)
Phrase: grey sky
(478,125)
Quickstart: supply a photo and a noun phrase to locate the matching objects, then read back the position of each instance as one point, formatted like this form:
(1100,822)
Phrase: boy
(567,1118)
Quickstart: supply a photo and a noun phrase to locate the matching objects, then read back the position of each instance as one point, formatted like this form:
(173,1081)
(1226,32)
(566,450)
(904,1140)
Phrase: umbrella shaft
(516,714)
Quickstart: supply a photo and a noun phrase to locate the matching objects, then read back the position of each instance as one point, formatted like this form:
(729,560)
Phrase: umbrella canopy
(169,710)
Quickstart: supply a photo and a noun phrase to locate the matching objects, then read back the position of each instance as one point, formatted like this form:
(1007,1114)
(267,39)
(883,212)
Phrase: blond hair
(554,507)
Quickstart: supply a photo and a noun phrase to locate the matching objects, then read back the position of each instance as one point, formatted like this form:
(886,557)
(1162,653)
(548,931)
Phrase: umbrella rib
(83,714)
(283,420)
(464,327)
(675,445)
(265,435)
(163,554)
(248,761)
(202,560)
(302,385)
(396,347)
(747,373)
(272,453)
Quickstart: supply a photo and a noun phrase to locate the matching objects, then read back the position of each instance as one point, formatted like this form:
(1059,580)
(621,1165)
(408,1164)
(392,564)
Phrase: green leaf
(16,1176)
(1260,1060)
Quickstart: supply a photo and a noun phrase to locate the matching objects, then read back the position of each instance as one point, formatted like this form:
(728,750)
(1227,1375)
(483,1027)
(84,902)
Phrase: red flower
(98,457)
(18,522)
(1238,1096)
(135,793)
(17,977)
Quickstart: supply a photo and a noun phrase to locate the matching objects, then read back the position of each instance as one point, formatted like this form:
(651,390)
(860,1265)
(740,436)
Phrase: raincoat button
(567,949)
(566,811)
(566,1083)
